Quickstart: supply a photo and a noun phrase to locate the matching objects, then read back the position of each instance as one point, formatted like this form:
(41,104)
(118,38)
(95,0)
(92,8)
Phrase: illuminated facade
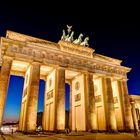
(99,98)
(135,108)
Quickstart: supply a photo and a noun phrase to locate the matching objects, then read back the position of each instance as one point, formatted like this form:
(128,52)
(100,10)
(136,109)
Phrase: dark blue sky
(113,29)
(14,97)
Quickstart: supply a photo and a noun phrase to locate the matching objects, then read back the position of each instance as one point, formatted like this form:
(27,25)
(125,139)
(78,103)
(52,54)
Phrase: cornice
(51,54)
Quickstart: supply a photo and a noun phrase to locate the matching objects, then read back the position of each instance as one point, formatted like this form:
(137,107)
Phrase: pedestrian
(135,132)
(12,131)
(76,130)
(1,133)
(67,131)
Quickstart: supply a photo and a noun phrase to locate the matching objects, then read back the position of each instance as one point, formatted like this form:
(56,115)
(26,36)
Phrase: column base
(93,131)
(30,132)
(48,132)
(20,131)
(130,131)
(60,131)
(112,131)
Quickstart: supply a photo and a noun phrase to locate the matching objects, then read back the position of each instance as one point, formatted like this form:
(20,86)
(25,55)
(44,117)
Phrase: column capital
(112,77)
(115,79)
(90,72)
(97,75)
(132,101)
(60,67)
(7,58)
(132,104)
(124,79)
(35,63)
(107,77)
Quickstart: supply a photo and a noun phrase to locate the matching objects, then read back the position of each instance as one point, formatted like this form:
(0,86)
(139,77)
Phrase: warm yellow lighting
(44,70)
(19,66)
(70,74)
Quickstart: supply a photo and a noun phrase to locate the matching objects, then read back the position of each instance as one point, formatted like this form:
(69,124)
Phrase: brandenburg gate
(99,98)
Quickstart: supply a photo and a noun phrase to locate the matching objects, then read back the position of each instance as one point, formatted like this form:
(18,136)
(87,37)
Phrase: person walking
(135,132)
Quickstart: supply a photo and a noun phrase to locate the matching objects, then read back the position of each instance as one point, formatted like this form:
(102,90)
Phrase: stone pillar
(127,108)
(20,118)
(4,81)
(110,112)
(60,99)
(118,104)
(33,97)
(70,109)
(135,121)
(91,110)
(44,111)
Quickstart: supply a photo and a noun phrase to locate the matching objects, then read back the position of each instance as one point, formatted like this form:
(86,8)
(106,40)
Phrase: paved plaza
(83,136)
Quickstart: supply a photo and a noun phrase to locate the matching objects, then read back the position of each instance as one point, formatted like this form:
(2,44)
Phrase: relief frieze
(63,59)
(115,99)
(76,50)
(98,98)
(77,97)
(49,94)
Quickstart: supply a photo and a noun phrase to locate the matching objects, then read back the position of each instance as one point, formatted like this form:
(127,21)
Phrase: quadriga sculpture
(85,42)
(63,37)
(70,38)
(79,40)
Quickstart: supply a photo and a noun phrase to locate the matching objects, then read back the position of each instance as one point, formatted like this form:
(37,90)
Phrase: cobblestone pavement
(76,136)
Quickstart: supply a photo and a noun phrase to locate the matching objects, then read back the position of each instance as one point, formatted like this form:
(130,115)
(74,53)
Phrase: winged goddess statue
(69,28)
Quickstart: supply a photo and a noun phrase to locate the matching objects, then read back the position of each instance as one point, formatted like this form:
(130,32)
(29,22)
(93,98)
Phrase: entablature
(50,55)
(106,59)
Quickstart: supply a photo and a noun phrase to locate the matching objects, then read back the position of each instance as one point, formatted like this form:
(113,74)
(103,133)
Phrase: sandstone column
(120,117)
(44,109)
(110,112)
(135,121)
(60,99)
(4,81)
(70,109)
(127,108)
(91,112)
(33,97)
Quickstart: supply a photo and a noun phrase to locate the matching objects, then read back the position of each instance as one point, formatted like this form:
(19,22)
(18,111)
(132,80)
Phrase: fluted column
(127,108)
(135,120)
(110,112)
(60,99)
(4,81)
(70,109)
(33,97)
(91,112)
(118,105)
